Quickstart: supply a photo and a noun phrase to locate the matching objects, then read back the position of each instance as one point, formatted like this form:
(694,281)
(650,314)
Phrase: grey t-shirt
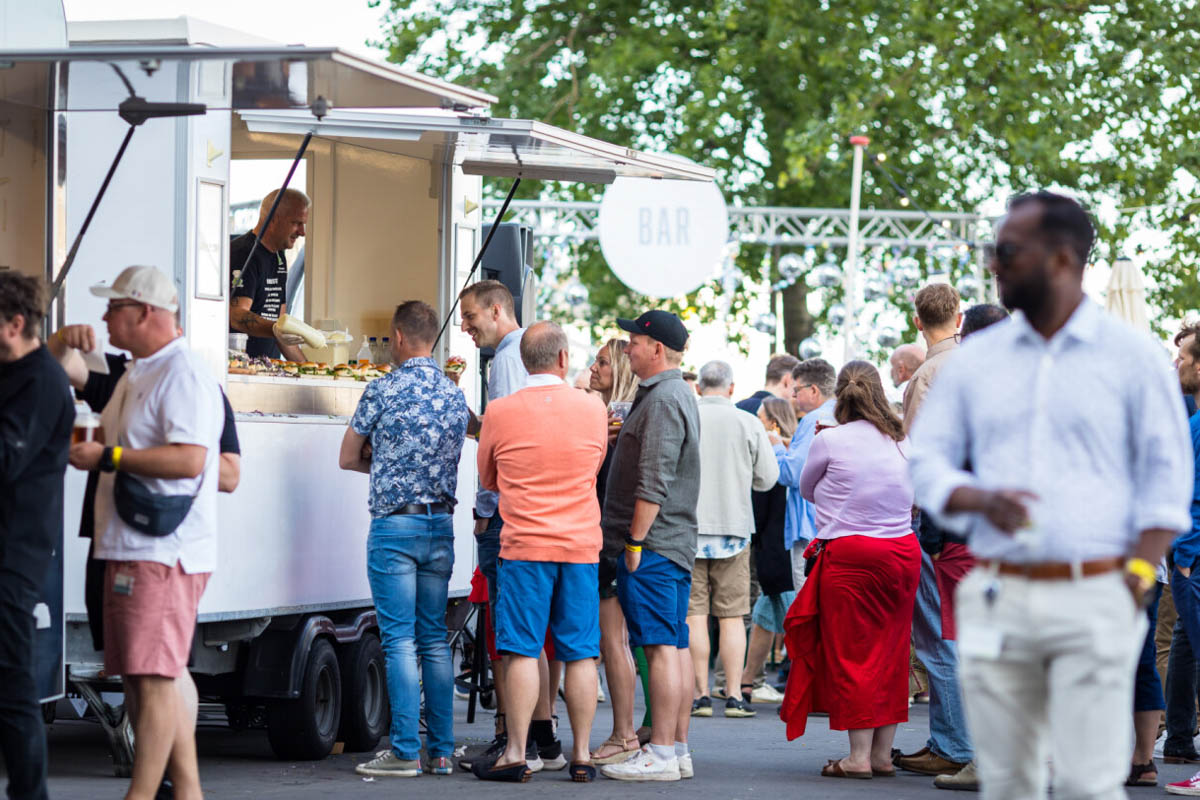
(657,459)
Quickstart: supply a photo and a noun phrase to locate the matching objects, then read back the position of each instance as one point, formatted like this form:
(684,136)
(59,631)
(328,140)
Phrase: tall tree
(969,99)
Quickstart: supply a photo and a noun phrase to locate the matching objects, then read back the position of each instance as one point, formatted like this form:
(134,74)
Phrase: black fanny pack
(146,511)
(141,509)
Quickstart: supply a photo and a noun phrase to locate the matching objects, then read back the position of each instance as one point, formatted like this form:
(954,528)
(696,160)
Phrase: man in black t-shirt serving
(259,288)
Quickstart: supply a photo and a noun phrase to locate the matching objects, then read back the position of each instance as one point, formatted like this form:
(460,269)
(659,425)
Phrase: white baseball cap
(145,285)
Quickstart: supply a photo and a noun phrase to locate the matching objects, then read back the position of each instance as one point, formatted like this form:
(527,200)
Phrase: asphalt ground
(734,758)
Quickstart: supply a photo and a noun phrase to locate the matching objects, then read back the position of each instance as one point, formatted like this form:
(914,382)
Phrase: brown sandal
(834,770)
(623,750)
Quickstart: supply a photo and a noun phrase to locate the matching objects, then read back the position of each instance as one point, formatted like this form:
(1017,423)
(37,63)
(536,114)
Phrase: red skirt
(949,568)
(848,634)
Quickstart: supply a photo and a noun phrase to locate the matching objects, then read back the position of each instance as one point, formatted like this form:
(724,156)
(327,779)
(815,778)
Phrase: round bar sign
(663,238)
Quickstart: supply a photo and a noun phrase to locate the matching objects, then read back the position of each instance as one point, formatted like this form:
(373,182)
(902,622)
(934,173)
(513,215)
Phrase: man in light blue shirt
(489,317)
(814,381)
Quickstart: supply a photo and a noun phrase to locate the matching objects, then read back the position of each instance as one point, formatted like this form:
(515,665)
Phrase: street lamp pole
(850,273)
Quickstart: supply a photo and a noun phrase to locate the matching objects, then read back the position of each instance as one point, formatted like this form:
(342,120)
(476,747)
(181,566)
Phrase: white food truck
(394,164)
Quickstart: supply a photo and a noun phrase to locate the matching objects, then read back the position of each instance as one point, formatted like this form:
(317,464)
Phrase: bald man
(259,288)
(905,361)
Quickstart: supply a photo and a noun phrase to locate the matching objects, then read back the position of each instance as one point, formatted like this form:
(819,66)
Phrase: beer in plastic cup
(87,427)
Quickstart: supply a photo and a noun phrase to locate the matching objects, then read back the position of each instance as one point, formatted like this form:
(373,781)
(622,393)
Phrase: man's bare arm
(65,345)
(241,318)
(231,472)
(352,454)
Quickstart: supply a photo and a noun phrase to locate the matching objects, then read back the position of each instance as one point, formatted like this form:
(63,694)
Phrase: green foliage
(970,99)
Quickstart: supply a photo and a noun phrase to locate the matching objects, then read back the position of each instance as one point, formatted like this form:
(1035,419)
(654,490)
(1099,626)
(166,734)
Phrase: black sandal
(509,773)
(1137,771)
(582,772)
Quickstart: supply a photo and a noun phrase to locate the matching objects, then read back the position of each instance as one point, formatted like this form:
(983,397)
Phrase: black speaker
(509,259)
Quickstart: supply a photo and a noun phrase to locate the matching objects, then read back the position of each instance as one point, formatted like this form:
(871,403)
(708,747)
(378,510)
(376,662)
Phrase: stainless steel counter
(304,396)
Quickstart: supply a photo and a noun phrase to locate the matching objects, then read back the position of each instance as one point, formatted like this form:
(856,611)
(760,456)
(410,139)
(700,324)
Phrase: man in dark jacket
(36,416)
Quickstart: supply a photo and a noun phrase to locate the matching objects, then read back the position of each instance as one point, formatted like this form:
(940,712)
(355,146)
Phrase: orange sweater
(541,448)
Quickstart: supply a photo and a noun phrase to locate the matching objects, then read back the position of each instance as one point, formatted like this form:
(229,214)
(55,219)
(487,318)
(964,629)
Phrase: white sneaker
(643,765)
(600,697)
(685,766)
(387,764)
(766,694)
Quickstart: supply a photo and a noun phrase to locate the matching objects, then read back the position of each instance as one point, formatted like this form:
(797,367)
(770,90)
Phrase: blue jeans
(1181,665)
(488,543)
(1147,688)
(409,560)
(948,735)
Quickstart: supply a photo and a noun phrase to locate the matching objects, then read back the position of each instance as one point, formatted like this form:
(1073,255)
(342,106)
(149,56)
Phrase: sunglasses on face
(118,306)
(1003,253)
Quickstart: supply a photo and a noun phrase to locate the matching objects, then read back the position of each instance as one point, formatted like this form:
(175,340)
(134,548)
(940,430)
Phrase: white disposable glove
(288,339)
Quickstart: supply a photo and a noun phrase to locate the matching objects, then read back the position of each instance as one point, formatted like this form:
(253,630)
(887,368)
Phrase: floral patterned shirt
(416,420)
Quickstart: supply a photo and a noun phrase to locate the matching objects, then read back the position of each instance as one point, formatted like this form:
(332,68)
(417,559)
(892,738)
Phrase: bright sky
(345,23)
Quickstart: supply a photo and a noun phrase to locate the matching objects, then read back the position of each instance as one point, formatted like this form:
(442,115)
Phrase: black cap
(662,326)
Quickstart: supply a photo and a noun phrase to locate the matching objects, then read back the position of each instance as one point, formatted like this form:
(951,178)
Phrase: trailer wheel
(304,729)
(365,709)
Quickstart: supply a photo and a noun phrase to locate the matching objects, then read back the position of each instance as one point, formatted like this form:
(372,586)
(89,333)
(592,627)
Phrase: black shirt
(264,281)
(754,402)
(772,561)
(36,418)
(96,393)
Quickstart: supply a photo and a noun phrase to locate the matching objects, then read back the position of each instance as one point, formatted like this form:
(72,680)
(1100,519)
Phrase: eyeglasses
(800,387)
(1004,253)
(117,306)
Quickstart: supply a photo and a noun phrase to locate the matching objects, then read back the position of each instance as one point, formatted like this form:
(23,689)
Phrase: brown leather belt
(1055,570)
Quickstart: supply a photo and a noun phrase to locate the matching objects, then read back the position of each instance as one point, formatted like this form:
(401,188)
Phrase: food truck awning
(270,77)
(482,145)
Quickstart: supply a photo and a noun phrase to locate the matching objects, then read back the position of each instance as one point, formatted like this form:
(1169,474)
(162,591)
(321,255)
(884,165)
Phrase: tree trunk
(797,322)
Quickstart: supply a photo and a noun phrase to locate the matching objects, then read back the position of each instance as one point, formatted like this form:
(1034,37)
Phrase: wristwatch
(106,461)
(632,542)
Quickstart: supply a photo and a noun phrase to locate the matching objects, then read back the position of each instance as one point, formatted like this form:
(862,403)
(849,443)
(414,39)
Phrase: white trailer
(396,185)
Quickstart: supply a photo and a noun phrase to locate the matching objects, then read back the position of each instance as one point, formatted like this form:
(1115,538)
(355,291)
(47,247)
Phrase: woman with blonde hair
(848,631)
(612,377)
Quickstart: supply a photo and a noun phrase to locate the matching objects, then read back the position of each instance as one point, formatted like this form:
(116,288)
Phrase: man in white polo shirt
(155,521)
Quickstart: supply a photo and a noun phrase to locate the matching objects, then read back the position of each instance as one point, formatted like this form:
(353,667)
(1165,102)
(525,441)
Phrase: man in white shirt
(1079,477)
(162,429)
(735,458)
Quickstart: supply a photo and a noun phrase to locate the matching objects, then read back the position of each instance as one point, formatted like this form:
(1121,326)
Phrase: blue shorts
(537,594)
(770,610)
(655,601)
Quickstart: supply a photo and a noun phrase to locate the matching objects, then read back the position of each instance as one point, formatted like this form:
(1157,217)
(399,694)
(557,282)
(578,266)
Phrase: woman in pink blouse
(849,629)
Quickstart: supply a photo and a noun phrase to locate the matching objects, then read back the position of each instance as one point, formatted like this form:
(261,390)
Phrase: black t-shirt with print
(264,281)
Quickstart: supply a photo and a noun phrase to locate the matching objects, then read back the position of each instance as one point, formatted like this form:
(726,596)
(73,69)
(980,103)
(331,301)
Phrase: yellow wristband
(116,458)
(1143,569)
(629,548)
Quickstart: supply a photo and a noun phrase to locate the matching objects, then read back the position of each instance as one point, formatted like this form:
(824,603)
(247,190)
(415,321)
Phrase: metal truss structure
(786,227)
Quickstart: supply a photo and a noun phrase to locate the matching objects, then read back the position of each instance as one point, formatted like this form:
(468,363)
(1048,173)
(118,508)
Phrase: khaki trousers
(1047,674)
(1164,631)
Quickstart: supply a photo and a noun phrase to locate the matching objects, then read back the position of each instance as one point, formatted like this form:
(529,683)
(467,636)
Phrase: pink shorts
(149,617)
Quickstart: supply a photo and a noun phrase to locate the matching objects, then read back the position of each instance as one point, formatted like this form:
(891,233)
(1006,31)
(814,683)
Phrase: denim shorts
(655,601)
(535,594)
(769,611)
(488,543)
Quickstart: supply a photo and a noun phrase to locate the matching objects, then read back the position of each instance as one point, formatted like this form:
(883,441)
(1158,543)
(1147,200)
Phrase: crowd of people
(1019,525)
